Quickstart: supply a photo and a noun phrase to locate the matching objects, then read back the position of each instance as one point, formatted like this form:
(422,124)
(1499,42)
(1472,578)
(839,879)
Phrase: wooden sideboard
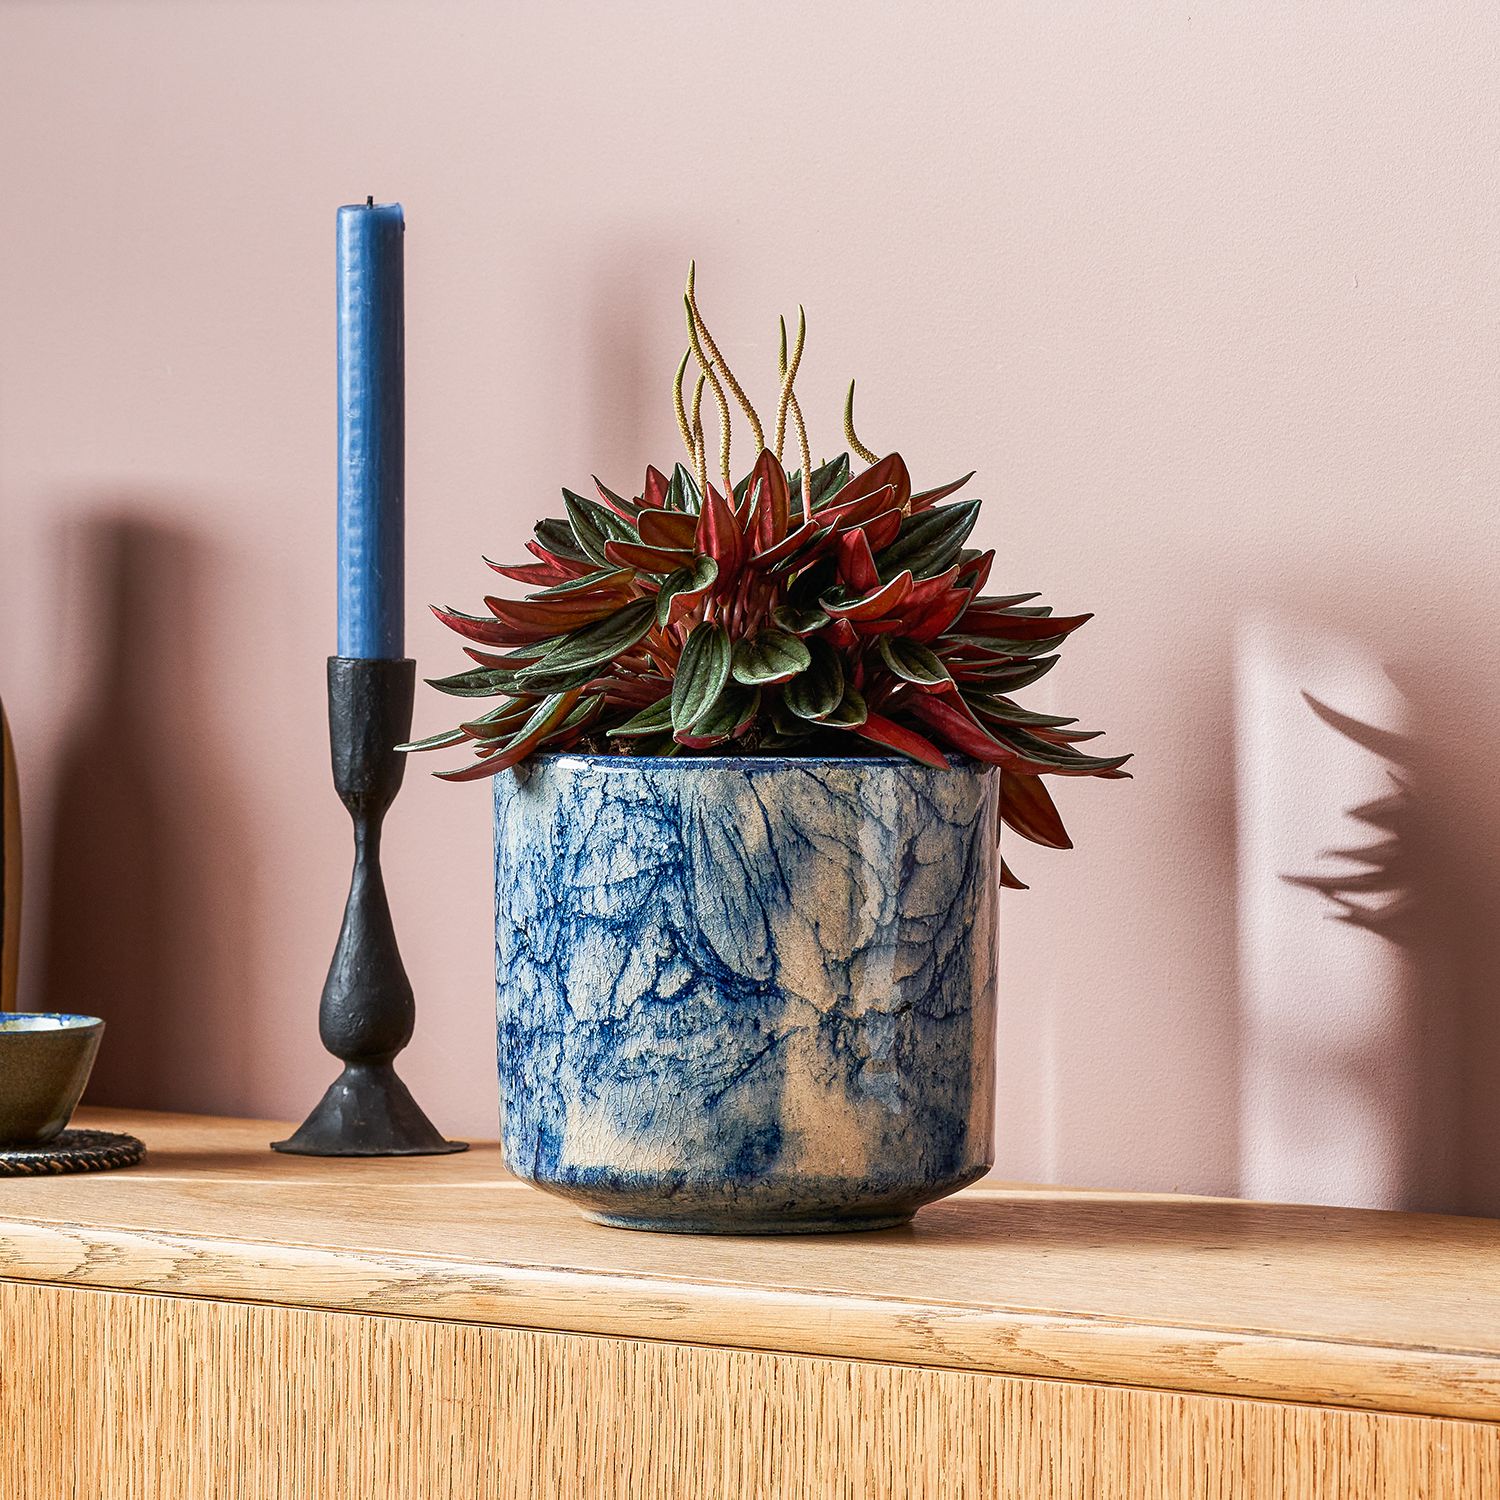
(223,1321)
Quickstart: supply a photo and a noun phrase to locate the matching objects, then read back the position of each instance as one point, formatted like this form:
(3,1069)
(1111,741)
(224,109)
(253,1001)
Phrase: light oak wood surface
(117,1396)
(1383,1311)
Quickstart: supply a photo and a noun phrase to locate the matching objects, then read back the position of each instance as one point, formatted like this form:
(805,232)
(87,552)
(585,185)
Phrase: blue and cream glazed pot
(746,995)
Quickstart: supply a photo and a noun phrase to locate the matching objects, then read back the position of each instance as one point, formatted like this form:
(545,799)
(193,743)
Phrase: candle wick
(370,201)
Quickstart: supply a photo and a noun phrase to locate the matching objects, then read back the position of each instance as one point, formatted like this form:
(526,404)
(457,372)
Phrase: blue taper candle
(372,431)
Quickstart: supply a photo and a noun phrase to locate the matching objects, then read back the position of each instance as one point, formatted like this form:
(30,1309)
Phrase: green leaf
(655,719)
(572,661)
(583,711)
(436,741)
(683,492)
(1003,647)
(798,621)
(912,662)
(482,682)
(1062,757)
(731,713)
(987,706)
(788,725)
(701,674)
(574,585)
(556,536)
(929,542)
(851,712)
(1009,677)
(499,721)
(630,507)
(827,479)
(769,656)
(818,690)
(693,579)
(595,524)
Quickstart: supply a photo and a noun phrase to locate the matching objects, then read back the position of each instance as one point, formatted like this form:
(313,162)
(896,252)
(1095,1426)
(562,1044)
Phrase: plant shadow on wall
(1421,871)
(145,910)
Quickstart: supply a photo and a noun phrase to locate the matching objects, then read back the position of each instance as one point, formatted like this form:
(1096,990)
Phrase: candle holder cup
(367,1012)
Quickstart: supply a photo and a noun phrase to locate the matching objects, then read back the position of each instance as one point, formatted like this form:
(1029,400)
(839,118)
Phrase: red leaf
(890,470)
(719,536)
(667,528)
(842,635)
(930,498)
(935,604)
(1008,879)
(884,732)
(1026,805)
(788,545)
(876,606)
(883,529)
(490,632)
(959,729)
(627,509)
(540,574)
(566,612)
(566,566)
(518,749)
(983,619)
(857,562)
(510,662)
(976,572)
(655,496)
(647,559)
(842,517)
(770,503)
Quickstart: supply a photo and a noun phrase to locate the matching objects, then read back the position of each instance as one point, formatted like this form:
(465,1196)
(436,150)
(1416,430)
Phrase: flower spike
(854,443)
(756,435)
(788,375)
(683,425)
(707,364)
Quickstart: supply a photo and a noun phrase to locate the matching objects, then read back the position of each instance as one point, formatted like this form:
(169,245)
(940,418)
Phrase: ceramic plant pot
(746,995)
(45,1062)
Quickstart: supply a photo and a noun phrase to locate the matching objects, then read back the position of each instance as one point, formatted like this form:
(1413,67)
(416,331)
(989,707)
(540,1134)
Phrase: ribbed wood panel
(118,1396)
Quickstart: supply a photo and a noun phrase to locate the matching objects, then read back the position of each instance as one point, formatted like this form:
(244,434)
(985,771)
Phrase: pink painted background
(1209,295)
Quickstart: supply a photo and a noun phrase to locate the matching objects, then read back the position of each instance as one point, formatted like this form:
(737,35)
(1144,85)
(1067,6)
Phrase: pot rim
(683,762)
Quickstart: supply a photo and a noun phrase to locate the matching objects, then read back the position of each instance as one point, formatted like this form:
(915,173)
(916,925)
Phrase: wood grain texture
(119,1396)
(1381,1311)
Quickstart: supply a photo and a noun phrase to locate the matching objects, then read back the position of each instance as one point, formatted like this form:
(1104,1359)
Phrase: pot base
(712,1224)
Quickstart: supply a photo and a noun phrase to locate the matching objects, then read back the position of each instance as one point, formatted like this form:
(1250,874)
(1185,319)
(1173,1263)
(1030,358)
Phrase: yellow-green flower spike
(757,436)
(855,445)
(788,376)
(683,425)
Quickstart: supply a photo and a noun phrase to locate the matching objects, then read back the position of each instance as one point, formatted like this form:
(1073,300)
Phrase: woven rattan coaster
(72,1151)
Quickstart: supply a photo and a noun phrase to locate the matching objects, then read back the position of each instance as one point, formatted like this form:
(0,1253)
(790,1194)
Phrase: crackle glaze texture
(746,995)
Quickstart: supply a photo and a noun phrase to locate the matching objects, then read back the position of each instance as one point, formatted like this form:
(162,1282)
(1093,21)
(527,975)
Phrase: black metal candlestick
(367,1012)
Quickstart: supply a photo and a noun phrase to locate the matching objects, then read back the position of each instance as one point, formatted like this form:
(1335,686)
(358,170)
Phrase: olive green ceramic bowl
(45,1061)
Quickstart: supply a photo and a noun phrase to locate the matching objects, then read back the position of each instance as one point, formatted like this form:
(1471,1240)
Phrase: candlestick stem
(367,1011)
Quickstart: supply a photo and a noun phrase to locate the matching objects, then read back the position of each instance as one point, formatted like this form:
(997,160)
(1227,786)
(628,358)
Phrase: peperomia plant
(809,612)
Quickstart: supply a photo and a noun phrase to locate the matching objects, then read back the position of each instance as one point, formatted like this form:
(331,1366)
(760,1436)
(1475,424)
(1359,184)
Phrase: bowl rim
(70,1021)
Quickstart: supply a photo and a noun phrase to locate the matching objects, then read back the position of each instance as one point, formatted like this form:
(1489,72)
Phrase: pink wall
(1207,294)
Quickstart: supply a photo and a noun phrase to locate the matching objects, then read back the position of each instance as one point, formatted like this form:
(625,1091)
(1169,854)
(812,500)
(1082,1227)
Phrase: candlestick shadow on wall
(137,827)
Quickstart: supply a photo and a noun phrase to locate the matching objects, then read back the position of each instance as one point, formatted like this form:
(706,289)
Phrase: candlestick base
(367,1012)
(368,1111)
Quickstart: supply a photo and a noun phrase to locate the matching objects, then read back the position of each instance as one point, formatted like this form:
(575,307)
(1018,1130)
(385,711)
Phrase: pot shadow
(144,911)
(1422,872)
